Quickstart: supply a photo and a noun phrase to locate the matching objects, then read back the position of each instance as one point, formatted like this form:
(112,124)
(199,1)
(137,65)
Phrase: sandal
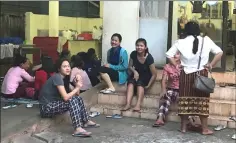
(125,109)
(234,137)
(92,126)
(136,110)
(219,127)
(115,116)
(82,134)
(158,124)
(232,118)
(94,114)
(107,91)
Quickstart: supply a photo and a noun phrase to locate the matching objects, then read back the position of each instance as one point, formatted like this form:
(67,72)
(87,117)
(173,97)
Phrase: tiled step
(217,107)
(221,93)
(149,101)
(150,113)
(154,89)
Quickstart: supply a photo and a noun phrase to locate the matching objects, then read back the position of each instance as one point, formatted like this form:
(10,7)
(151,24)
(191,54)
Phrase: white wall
(155,31)
(120,17)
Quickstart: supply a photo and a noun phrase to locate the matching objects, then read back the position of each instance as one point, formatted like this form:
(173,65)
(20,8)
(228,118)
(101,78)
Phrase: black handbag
(203,83)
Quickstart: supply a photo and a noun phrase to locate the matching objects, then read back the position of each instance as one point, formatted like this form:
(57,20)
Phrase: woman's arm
(154,75)
(163,83)
(26,76)
(66,96)
(216,59)
(171,53)
(123,65)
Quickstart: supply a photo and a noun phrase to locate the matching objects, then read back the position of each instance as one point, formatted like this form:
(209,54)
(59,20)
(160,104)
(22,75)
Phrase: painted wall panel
(155,31)
(120,17)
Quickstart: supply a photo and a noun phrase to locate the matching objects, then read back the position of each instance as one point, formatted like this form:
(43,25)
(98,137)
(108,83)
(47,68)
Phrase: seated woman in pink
(13,86)
(170,89)
(77,69)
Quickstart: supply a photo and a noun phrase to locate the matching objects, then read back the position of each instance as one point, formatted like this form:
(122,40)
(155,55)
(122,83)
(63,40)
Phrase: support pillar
(53,19)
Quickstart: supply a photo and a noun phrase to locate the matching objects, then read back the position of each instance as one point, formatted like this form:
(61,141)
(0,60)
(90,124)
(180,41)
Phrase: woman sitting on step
(169,89)
(13,85)
(117,65)
(142,73)
(55,100)
(78,70)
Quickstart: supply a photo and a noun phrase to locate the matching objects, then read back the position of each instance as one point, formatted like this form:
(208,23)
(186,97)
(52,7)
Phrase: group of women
(139,73)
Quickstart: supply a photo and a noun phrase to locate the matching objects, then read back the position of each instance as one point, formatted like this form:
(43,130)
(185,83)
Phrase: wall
(125,22)
(36,22)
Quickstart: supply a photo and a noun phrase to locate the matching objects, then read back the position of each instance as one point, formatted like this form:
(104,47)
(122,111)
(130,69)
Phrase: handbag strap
(200,58)
(199,61)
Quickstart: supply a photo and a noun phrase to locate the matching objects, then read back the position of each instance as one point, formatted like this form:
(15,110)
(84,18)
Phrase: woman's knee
(140,90)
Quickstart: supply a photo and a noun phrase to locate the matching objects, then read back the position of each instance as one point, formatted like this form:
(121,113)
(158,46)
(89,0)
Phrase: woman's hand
(146,87)
(79,84)
(106,65)
(208,67)
(77,77)
(162,94)
(136,75)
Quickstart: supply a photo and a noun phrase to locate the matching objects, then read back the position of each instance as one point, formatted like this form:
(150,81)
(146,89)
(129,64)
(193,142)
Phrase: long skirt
(192,102)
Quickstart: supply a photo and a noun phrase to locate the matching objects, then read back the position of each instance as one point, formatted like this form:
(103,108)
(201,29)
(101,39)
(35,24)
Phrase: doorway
(213,18)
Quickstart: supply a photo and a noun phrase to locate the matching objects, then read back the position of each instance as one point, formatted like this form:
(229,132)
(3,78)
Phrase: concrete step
(154,89)
(150,113)
(217,107)
(221,93)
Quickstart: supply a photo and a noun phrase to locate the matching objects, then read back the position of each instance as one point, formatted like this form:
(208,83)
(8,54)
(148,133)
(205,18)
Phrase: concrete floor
(126,130)
(132,130)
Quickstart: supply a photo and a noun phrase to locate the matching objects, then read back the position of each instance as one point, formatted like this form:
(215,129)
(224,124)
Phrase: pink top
(173,75)
(86,81)
(14,76)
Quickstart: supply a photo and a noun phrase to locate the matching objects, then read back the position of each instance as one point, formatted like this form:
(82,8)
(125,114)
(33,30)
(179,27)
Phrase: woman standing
(192,101)
(116,69)
(55,100)
(143,73)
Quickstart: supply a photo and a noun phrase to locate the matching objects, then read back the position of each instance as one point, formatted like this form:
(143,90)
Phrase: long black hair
(67,78)
(78,62)
(18,60)
(144,42)
(48,65)
(192,29)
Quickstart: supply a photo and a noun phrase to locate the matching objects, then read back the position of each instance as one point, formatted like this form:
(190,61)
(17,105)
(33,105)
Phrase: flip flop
(182,131)
(158,124)
(108,91)
(219,127)
(115,116)
(125,109)
(92,126)
(82,134)
(94,114)
(234,137)
(139,111)
(232,118)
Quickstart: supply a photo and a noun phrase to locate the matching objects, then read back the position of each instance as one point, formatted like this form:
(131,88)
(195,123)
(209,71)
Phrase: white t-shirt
(189,60)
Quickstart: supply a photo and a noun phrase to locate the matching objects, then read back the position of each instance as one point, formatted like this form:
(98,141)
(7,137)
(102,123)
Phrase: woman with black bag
(194,55)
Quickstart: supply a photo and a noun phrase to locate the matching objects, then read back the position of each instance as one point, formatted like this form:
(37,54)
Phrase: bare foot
(127,107)
(81,130)
(90,123)
(207,132)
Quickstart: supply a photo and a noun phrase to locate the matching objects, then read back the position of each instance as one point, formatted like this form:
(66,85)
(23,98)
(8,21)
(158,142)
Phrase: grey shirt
(49,91)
